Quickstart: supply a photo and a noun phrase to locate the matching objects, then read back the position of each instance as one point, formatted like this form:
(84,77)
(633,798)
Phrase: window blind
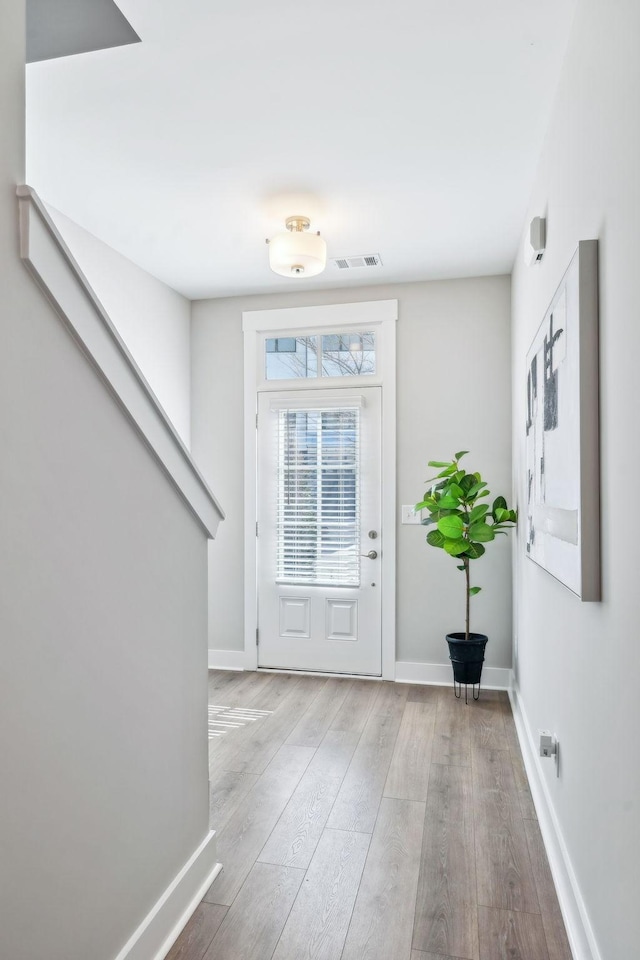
(318,510)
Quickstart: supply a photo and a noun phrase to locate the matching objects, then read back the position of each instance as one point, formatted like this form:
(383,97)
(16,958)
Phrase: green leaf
(475,551)
(427,504)
(478,512)
(451,526)
(448,502)
(451,468)
(455,547)
(455,490)
(499,502)
(473,491)
(460,454)
(439,463)
(467,482)
(474,590)
(481,532)
(461,567)
(506,522)
(501,514)
(435,538)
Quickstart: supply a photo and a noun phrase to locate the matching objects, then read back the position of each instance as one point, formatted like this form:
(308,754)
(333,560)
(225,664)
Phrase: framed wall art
(562,442)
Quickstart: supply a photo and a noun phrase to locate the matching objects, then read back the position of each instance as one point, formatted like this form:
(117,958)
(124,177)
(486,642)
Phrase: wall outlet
(549,747)
(547,744)
(409,515)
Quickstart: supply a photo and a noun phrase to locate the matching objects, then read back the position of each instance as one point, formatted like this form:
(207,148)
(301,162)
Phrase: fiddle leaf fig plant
(462,524)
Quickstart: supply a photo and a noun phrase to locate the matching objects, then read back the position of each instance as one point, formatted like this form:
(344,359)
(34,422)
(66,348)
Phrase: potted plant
(462,527)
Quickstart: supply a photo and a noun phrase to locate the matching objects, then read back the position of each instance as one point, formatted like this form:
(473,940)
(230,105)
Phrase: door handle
(372,555)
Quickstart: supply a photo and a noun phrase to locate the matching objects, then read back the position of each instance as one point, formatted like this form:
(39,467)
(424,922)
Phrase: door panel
(319,497)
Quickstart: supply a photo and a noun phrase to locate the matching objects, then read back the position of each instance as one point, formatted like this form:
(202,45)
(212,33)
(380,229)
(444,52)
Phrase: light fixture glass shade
(297,254)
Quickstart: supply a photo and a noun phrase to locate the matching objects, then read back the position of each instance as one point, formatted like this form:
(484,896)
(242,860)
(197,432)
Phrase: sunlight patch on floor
(223,719)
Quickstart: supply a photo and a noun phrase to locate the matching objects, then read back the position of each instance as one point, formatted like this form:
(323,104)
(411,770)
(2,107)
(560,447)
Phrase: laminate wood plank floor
(419,955)
(383,913)
(199,932)
(244,835)
(253,924)
(227,790)
(356,806)
(446,917)
(452,732)
(555,933)
(262,742)
(408,776)
(318,923)
(360,820)
(511,935)
(504,870)
(296,835)
(314,723)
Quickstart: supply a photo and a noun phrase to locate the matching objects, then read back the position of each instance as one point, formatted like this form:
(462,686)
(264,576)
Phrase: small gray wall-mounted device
(548,745)
(534,246)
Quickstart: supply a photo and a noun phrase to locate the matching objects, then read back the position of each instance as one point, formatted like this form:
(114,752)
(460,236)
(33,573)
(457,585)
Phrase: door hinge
(257,636)
(256,528)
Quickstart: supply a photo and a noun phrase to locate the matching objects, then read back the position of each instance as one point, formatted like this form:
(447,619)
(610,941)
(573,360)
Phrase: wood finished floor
(360,820)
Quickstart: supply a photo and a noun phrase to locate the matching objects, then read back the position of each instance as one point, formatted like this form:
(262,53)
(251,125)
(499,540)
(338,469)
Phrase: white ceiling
(409,128)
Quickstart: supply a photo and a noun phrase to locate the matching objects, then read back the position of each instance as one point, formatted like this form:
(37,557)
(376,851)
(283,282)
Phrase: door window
(318,509)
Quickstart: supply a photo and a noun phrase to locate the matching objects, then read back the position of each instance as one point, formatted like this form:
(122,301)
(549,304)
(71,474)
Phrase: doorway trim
(380,315)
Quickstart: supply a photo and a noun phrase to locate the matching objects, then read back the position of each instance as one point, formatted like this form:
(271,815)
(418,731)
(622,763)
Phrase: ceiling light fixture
(296,253)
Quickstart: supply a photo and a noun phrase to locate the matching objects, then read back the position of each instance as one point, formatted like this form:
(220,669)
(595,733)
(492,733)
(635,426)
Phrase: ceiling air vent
(351,263)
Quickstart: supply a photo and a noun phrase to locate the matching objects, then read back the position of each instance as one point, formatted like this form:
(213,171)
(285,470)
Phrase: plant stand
(458,691)
(467,657)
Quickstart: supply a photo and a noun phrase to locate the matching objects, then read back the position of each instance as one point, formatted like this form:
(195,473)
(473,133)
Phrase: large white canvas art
(562,523)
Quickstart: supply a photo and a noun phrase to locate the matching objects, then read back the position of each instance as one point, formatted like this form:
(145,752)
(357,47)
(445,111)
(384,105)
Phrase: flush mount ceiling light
(296,253)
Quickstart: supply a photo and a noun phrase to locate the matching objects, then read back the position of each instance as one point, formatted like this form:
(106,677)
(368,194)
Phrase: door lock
(372,554)
(373,534)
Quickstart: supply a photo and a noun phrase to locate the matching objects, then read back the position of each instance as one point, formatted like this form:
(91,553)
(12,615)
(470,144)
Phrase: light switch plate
(409,515)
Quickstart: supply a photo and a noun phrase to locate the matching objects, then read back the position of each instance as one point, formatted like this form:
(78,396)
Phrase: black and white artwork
(562,479)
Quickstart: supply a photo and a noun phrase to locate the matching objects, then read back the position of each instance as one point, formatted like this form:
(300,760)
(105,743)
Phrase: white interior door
(319,543)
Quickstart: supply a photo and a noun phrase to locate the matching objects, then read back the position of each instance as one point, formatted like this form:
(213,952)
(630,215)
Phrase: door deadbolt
(373,534)
(372,554)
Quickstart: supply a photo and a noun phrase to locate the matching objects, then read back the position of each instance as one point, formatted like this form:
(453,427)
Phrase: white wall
(103,750)
(444,405)
(152,319)
(577,664)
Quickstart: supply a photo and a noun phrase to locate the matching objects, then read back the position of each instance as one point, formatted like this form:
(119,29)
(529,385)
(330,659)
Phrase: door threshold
(318,673)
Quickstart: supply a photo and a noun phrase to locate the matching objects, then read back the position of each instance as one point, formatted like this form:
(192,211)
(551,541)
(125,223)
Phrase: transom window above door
(320,355)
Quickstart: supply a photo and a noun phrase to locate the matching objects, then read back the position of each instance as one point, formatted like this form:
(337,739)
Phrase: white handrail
(54,268)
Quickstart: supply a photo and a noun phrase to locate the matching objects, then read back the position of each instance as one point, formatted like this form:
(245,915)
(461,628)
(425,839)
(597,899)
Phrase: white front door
(319,537)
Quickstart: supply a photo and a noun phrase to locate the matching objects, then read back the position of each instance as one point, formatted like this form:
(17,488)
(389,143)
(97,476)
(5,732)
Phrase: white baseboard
(493,678)
(165,921)
(226,659)
(576,918)
(441,674)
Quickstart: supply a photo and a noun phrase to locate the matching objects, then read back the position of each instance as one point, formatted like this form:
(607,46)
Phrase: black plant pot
(467,657)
